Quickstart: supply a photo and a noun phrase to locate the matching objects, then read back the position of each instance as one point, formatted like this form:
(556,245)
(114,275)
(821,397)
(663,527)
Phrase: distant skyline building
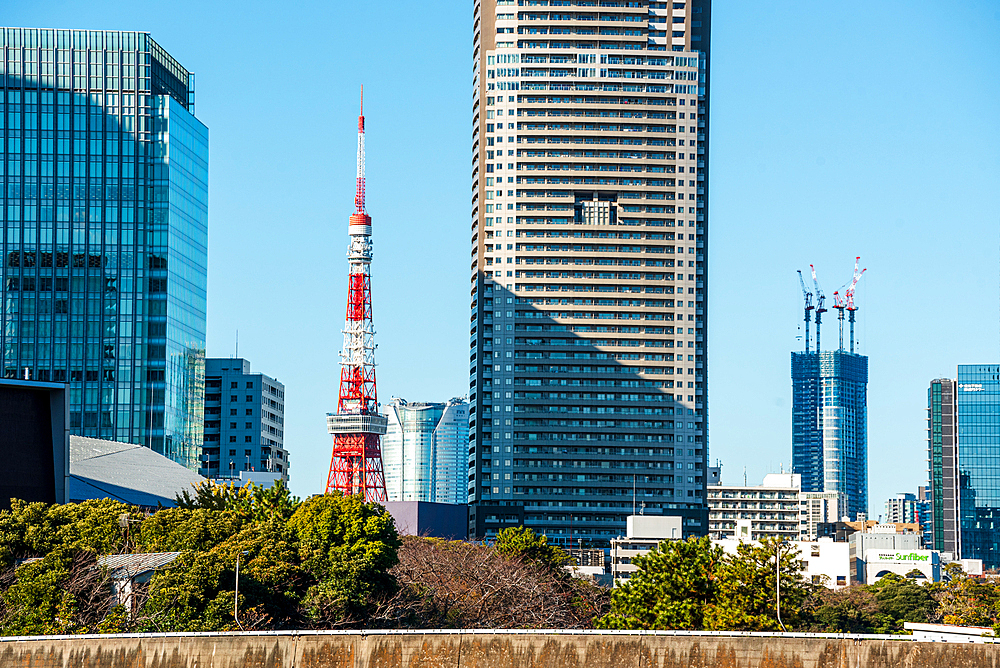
(244,421)
(905,508)
(589,286)
(830,424)
(103,260)
(942,459)
(425,451)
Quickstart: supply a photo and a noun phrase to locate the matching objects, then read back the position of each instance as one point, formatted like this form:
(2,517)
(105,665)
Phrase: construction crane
(851,308)
(357,427)
(807,297)
(820,305)
(839,303)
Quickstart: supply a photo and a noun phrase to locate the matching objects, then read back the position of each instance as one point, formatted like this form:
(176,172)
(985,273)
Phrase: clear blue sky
(837,129)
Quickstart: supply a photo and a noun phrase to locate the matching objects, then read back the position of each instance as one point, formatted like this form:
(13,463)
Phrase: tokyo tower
(357,426)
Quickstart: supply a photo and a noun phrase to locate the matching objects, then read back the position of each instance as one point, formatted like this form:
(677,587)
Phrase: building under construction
(830,404)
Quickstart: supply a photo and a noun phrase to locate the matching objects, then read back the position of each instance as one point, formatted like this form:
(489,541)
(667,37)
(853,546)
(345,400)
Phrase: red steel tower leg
(357,426)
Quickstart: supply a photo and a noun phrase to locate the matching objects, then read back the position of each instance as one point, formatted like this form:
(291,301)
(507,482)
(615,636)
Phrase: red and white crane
(851,308)
(357,426)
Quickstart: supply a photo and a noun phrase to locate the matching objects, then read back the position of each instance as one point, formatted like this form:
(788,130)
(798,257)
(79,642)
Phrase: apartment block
(589,266)
(244,421)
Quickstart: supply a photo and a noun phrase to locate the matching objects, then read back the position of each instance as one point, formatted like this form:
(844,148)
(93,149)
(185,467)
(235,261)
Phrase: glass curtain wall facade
(978,402)
(588,347)
(942,459)
(104,247)
(830,424)
(424,451)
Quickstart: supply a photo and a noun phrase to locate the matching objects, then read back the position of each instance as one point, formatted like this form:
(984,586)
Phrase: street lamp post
(236,597)
(777,581)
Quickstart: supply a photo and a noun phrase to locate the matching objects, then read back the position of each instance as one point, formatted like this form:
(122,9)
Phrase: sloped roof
(131,565)
(131,473)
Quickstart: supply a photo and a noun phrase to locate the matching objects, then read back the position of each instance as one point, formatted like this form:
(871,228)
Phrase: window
(249,398)
(234,385)
(249,384)
(248,439)
(249,425)
(232,425)
(814,550)
(232,411)
(232,453)
(249,411)
(232,439)
(247,453)
(232,397)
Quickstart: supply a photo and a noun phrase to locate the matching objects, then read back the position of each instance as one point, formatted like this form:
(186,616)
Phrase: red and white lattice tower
(357,426)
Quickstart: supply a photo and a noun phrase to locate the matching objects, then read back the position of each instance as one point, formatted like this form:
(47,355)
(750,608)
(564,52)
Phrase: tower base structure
(356,465)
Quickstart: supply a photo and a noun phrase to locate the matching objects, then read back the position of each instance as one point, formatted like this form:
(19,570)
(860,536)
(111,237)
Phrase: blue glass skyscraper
(978,401)
(104,246)
(830,424)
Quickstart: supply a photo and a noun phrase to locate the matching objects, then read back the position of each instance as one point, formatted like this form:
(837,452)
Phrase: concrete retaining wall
(486,650)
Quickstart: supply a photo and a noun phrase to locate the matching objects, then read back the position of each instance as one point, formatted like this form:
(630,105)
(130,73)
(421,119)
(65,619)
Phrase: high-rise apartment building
(830,424)
(244,421)
(104,247)
(424,451)
(588,364)
(942,459)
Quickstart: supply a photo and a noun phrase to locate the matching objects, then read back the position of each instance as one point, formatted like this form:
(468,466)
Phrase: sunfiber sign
(915,556)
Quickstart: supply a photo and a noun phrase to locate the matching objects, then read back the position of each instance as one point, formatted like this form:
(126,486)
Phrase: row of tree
(336,562)
(693,584)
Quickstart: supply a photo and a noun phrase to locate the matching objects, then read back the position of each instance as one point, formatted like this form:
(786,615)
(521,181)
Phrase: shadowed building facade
(104,247)
(589,272)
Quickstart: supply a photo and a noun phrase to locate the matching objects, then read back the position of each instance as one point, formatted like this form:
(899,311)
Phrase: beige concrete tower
(588,373)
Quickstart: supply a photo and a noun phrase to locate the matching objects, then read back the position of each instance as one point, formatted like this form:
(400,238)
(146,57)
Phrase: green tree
(347,546)
(746,589)
(35,529)
(901,600)
(249,502)
(674,588)
(847,610)
(523,543)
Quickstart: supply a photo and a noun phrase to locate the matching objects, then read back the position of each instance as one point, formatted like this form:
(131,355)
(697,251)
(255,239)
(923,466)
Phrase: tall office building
(942,459)
(104,247)
(830,424)
(244,421)
(978,409)
(424,451)
(588,361)
(906,508)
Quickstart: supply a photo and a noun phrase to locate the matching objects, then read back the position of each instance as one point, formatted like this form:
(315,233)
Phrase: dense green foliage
(524,544)
(693,585)
(323,562)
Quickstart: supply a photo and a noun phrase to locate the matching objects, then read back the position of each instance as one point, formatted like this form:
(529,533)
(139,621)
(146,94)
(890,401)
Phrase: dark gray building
(34,441)
(244,421)
(103,265)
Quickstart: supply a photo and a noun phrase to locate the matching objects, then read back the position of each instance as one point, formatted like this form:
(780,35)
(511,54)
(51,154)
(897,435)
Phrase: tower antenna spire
(357,426)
